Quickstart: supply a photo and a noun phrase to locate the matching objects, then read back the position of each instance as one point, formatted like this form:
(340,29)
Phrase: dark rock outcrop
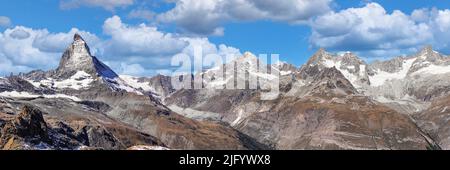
(29,126)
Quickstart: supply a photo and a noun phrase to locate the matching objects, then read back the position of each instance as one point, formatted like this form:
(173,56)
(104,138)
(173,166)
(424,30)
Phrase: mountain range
(331,102)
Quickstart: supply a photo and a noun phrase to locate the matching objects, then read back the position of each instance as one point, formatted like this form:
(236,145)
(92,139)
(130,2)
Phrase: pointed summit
(77,37)
(427,53)
(426,50)
(248,56)
(248,60)
(318,57)
(349,58)
(321,50)
(77,57)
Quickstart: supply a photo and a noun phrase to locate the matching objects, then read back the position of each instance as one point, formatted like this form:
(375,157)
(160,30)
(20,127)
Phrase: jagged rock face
(330,82)
(285,68)
(409,84)
(29,130)
(176,131)
(331,89)
(354,69)
(391,66)
(436,121)
(38,75)
(78,58)
(319,58)
(29,125)
(337,123)
(160,86)
(16,83)
(425,57)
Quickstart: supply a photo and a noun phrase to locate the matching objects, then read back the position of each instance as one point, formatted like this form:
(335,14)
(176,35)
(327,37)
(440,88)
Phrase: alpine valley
(331,102)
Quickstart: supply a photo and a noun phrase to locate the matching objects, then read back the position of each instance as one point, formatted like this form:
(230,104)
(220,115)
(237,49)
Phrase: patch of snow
(145,147)
(443,110)
(343,53)
(15,94)
(362,70)
(283,73)
(422,57)
(329,63)
(214,69)
(83,147)
(42,146)
(46,82)
(62,96)
(433,69)
(263,75)
(381,76)
(78,81)
(118,83)
(349,76)
(195,114)
(238,119)
(343,145)
(134,82)
(355,135)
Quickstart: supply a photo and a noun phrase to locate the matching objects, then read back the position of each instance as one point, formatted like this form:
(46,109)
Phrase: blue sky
(295,29)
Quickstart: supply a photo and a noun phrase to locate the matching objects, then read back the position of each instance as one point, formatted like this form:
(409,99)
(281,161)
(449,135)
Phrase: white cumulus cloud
(144,50)
(138,40)
(373,32)
(207,17)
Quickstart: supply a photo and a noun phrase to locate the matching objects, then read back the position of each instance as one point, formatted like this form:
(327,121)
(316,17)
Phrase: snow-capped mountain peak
(248,59)
(78,70)
(321,57)
(426,58)
(77,57)
(427,53)
(352,67)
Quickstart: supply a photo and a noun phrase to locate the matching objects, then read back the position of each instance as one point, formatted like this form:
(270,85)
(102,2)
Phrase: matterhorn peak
(77,37)
(77,57)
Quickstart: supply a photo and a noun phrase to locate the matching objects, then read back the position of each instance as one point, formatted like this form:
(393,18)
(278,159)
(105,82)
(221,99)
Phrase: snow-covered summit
(77,57)
(79,70)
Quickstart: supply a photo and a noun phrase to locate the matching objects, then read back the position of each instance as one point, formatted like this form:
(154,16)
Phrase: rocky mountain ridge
(85,93)
(337,87)
(334,101)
